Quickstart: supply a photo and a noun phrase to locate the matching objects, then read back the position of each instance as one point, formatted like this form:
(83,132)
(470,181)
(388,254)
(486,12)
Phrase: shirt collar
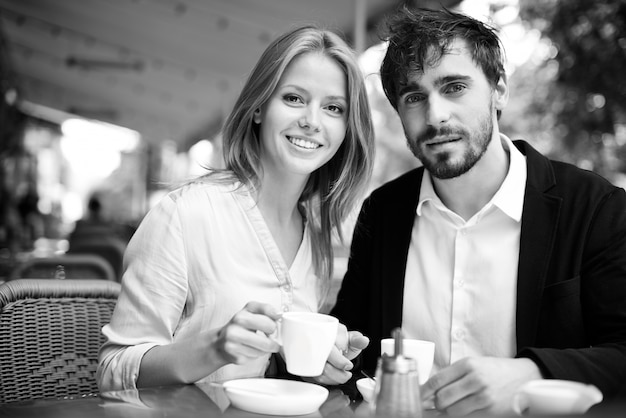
(509,198)
(427,193)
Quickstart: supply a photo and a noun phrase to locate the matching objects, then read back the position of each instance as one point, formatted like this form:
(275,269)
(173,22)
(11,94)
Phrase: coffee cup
(307,339)
(421,350)
(555,397)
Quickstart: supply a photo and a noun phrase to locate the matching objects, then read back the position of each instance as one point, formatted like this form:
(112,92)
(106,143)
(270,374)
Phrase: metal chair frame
(75,266)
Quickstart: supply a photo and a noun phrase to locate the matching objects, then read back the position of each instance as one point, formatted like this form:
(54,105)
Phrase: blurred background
(106,103)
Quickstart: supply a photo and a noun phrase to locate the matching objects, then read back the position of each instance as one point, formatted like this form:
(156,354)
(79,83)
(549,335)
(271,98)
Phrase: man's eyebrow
(409,87)
(451,78)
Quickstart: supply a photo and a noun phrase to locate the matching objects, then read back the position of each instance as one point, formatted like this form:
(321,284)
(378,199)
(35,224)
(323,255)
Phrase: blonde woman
(213,265)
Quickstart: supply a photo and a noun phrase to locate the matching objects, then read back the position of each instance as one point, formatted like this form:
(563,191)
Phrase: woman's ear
(256,118)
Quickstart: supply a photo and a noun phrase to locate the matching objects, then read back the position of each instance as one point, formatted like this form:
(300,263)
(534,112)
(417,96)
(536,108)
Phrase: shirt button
(459,334)
(285,308)
(460,282)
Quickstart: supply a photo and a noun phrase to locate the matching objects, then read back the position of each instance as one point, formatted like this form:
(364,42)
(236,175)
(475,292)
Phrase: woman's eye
(336,109)
(292,98)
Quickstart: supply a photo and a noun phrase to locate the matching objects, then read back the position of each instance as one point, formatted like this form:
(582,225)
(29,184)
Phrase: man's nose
(438,111)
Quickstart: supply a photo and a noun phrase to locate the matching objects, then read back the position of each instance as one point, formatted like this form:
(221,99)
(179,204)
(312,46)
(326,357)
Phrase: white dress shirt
(196,259)
(461,276)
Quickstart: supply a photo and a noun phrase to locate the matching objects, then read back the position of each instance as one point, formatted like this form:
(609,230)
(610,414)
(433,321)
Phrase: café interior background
(124,98)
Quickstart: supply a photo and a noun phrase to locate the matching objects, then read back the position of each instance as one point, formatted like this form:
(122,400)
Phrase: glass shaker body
(397,392)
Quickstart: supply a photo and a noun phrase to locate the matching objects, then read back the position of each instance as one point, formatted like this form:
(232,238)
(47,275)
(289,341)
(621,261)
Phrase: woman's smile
(303,142)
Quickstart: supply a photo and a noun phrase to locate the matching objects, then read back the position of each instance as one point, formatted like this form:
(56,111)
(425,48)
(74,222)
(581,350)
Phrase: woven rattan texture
(49,346)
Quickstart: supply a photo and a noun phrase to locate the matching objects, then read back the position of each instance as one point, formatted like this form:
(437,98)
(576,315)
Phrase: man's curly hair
(418,38)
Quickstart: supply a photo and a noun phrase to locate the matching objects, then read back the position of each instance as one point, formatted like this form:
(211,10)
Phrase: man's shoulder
(551,174)
(403,184)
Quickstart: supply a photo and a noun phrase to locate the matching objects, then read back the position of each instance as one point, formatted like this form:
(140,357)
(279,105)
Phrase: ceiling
(169,69)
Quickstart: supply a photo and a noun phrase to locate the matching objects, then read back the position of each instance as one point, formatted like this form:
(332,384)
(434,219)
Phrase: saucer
(275,396)
(366,386)
(553,396)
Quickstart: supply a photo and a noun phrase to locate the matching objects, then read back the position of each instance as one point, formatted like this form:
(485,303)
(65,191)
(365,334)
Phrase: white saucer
(367,387)
(275,396)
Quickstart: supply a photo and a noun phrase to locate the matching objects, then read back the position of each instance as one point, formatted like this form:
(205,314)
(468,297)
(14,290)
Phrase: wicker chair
(50,334)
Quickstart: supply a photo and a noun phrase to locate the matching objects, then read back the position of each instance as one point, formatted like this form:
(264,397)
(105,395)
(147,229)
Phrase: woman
(212,265)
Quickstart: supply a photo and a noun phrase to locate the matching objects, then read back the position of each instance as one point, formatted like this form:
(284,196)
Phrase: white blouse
(196,259)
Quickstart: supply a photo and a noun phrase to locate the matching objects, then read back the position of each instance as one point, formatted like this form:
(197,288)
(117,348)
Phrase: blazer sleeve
(602,292)
(353,299)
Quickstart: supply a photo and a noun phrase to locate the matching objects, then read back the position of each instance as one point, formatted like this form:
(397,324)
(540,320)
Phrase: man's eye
(455,88)
(414,98)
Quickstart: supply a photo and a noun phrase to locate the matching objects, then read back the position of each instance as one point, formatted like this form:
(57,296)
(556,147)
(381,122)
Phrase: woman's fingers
(246,336)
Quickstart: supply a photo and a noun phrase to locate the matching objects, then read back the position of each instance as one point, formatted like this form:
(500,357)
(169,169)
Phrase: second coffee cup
(307,339)
(422,351)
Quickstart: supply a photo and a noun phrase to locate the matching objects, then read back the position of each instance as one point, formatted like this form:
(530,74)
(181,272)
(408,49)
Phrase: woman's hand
(244,338)
(247,335)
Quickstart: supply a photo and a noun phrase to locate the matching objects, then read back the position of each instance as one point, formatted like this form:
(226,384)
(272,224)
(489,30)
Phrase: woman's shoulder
(202,188)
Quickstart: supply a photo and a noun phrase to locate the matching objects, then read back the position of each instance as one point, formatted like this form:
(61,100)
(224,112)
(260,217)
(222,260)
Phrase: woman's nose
(310,121)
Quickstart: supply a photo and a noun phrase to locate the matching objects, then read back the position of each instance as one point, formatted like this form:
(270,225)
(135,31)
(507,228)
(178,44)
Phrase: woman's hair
(420,37)
(333,190)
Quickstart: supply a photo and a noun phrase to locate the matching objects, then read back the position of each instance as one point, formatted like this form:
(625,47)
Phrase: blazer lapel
(538,230)
(396,240)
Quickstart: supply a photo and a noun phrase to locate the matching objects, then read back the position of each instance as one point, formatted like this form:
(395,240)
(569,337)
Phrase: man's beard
(441,166)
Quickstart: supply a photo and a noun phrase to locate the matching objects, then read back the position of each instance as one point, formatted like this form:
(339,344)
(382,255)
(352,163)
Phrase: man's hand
(348,345)
(479,384)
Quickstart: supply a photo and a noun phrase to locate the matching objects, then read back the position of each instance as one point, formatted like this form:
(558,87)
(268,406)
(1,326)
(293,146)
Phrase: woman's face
(304,122)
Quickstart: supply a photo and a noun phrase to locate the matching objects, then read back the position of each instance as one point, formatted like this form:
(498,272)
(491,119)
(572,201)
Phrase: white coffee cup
(307,339)
(555,397)
(421,350)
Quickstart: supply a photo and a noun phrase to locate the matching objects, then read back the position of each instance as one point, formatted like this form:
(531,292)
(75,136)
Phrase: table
(184,401)
(200,400)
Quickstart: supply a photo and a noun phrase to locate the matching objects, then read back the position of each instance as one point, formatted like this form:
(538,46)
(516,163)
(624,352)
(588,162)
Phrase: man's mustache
(432,132)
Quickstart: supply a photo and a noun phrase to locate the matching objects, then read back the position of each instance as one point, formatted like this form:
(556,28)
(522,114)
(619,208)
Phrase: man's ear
(501,93)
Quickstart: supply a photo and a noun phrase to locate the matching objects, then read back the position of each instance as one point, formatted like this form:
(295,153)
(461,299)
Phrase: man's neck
(469,193)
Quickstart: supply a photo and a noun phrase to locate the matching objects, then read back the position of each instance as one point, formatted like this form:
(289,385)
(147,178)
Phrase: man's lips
(442,140)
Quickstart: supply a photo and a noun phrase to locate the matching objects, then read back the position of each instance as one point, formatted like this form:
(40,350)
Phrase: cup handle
(519,403)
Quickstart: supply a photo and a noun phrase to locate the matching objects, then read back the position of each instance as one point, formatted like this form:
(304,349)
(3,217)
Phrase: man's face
(448,113)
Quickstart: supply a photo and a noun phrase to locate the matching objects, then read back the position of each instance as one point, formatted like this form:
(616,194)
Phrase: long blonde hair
(334,189)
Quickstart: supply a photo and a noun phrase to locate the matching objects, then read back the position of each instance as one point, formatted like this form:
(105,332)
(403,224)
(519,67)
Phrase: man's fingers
(338,360)
(441,380)
(358,341)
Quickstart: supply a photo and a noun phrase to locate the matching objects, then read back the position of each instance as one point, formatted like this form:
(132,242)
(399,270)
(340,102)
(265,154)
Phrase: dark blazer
(571,290)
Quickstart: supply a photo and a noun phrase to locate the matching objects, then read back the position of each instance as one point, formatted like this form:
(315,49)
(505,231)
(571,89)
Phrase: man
(513,264)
